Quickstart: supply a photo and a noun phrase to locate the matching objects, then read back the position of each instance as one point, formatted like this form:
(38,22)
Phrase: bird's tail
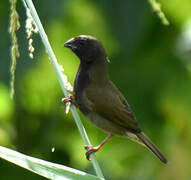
(151,146)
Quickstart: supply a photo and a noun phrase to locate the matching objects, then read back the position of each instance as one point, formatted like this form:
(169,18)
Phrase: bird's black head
(87,48)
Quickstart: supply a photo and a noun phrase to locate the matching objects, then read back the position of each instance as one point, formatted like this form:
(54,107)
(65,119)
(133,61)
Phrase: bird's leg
(69,99)
(91,149)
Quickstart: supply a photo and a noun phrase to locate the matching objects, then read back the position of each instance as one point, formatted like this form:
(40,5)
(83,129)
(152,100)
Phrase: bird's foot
(90,150)
(69,99)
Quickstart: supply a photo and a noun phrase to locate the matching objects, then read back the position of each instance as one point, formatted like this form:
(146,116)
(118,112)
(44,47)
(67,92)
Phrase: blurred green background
(150,63)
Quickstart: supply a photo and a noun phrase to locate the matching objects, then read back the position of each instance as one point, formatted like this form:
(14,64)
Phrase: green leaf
(44,168)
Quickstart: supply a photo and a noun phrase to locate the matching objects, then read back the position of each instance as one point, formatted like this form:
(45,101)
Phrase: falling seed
(53,149)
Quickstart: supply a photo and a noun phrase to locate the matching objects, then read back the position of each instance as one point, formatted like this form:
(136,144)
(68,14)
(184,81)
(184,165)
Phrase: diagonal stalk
(59,74)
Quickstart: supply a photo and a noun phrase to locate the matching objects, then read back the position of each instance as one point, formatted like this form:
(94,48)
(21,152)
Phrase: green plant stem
(156,6)
(61,80)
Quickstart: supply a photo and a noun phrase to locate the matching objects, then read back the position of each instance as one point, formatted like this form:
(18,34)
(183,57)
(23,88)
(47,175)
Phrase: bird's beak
(70,44)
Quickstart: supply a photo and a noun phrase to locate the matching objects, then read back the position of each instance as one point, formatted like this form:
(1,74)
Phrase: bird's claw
(69,99)
(90,150)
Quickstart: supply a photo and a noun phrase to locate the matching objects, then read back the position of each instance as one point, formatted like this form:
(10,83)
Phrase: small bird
(99,99)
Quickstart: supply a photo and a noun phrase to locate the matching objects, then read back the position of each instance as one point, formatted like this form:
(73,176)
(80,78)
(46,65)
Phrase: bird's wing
(108,102)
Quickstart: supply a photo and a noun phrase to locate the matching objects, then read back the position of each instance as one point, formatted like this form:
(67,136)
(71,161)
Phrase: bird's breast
(81,83)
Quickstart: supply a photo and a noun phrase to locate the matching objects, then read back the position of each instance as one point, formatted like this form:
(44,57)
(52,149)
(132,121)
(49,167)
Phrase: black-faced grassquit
(99,99)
